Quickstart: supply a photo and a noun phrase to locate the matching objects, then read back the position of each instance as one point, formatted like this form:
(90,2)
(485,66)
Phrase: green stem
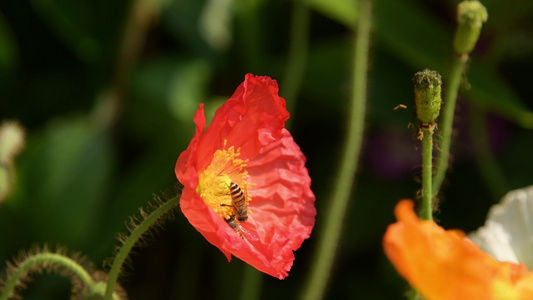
(413,295)
(427,169)
(251,284)
(486,162)
(44,259)
(446,122)
(329,236)
(298,49)
(132,239)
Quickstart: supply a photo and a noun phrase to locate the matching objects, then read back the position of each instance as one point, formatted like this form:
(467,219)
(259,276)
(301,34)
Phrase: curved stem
(446,123)
(298,49)
(132,239)
(427,169)
(44,259)
(329,236)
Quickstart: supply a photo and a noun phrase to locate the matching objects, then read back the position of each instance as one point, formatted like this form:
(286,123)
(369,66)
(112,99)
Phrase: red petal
(186,167)
(282,208)
(282,212)
(250,119)
(206,221)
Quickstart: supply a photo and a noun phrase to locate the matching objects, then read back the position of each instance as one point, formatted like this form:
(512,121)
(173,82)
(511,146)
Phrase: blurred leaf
(76,24)
(172,85)
(343,11)
(181,18)
(158,119)
(8,47)
(215,23)
(491,91)
(326,79)
(64,178)
(187,88)
(412,34)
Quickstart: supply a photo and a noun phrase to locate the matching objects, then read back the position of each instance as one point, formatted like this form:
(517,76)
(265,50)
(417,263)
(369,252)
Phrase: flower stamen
(215,181)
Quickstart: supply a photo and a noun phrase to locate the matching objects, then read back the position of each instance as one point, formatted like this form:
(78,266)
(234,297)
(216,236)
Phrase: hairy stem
(446,121)
(329,236)
(132,239)
(427,169)
(44,260)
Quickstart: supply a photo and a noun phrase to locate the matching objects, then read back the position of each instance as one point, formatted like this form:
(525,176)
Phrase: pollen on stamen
(215,180)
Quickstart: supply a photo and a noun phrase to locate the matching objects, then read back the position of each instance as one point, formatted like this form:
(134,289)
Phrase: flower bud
(427,86)
(470,18)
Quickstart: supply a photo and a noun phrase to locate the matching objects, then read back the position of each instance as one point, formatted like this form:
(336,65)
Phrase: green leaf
(63,180)
(8,48)
(342,11)
(171,86)
(215,23)
(491,91)
(86,27)
(181,19)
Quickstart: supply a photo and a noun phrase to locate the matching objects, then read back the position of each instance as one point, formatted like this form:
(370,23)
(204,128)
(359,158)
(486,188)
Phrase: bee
(233,224)
(239,202)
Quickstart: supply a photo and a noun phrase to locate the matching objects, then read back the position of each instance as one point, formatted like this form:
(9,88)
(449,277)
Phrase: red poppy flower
(444,264)
(247,146)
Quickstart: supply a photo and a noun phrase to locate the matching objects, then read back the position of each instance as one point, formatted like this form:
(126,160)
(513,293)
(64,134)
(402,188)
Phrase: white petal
(493,239)
(508,231)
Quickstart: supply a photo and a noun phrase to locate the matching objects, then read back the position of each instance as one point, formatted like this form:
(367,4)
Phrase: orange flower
(247,150)
(445,265)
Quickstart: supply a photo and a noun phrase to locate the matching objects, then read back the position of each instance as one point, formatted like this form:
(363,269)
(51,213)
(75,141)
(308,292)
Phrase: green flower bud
(470,18)
(427,85)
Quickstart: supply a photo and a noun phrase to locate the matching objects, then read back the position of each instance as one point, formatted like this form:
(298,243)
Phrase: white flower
(508,231)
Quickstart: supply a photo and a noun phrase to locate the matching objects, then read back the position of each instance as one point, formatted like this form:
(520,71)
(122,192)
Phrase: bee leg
(243,216)
(233,224)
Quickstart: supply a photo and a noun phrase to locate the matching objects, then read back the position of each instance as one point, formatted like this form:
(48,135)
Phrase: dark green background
(80,176)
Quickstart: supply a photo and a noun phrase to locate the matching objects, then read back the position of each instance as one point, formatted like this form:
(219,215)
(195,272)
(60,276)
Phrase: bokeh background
(106,91)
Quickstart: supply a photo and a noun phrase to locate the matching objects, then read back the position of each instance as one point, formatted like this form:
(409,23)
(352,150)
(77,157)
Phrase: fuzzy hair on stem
(149,235)
(40,259)
(142,228)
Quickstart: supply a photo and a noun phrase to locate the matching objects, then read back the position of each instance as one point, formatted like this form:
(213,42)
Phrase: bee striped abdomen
(239,202)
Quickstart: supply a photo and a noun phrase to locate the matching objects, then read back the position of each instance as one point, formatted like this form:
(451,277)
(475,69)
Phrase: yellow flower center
(215,180)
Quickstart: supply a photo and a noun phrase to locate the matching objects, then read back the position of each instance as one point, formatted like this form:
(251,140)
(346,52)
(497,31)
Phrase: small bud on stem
(470,18)
(427,86)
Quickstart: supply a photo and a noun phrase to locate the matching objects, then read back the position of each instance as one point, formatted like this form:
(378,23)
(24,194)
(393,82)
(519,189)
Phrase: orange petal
(445,265)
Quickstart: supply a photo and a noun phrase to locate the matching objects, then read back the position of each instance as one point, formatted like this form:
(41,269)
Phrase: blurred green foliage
(103,136)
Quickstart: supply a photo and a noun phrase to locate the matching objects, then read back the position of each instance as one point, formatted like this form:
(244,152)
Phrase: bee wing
(249,235)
